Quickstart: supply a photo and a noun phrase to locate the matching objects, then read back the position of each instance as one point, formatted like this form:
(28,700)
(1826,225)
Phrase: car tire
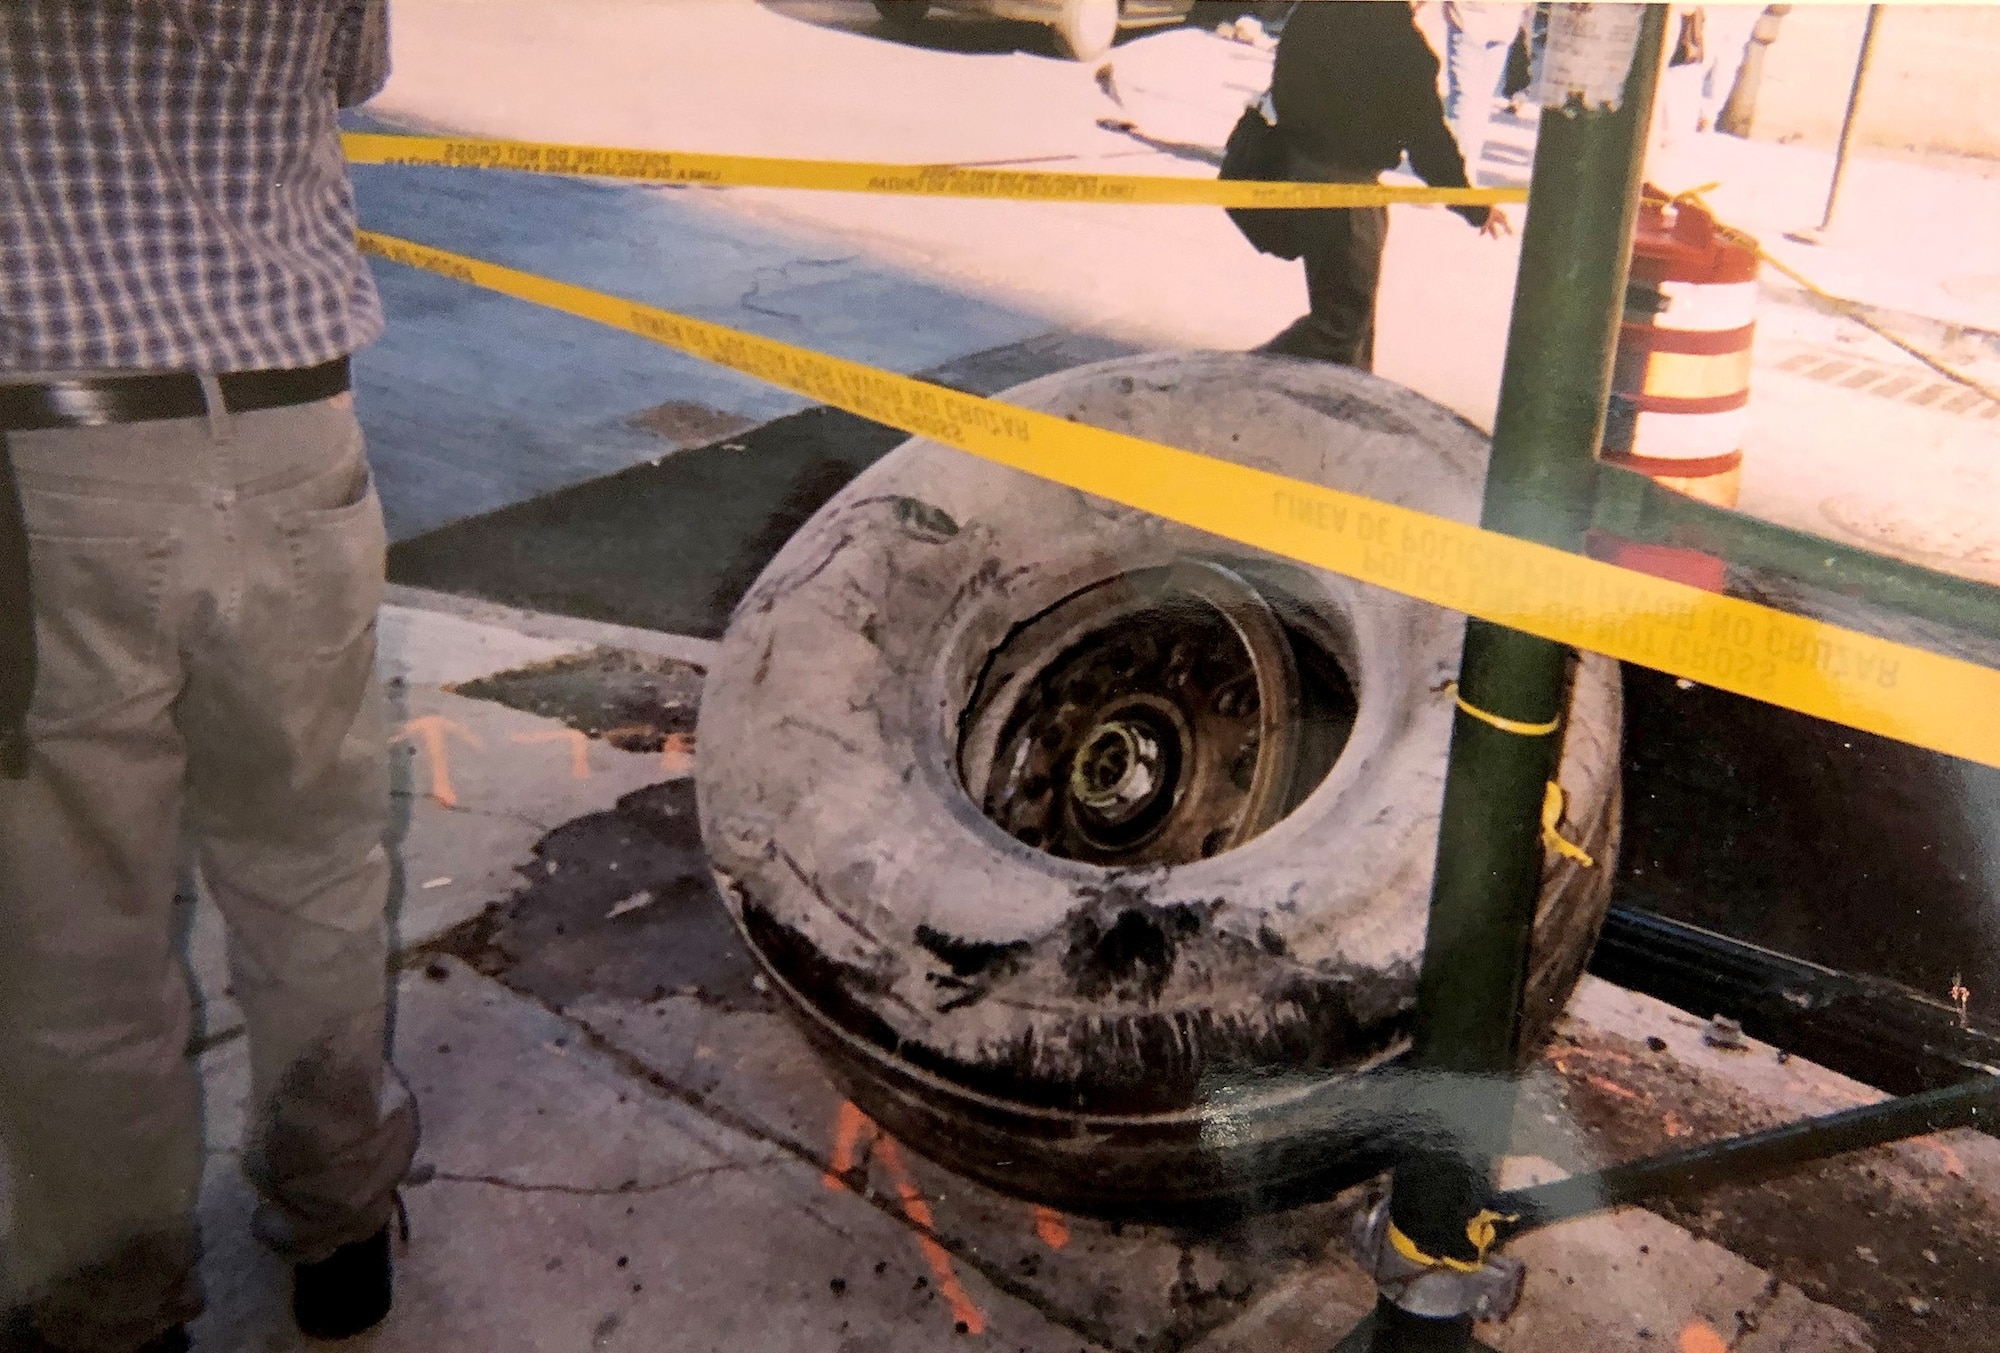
(1174,1043)
(1086,29)
(902,16)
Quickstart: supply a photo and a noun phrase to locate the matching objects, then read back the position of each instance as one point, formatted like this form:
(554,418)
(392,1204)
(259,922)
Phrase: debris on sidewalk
(633,701)
(643,897)
(1249,30)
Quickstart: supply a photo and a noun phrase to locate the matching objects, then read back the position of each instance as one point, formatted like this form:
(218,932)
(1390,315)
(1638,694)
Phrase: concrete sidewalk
(627,1147)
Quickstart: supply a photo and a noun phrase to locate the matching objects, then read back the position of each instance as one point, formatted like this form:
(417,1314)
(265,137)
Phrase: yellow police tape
(1806,665)
(928,180)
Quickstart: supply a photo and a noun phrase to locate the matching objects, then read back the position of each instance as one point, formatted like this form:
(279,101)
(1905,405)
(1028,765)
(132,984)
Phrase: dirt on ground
(621,903)
(633,701)
(1905,1247)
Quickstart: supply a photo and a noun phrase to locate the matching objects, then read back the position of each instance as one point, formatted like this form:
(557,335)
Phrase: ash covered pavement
(628,1147)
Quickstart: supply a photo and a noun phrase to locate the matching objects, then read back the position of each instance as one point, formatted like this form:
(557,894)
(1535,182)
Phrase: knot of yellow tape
(1519,727)
(1482,1231)
(1554,801)
(1552,837)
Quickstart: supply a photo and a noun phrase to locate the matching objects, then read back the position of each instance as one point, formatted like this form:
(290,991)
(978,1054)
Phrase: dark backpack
(1255,152)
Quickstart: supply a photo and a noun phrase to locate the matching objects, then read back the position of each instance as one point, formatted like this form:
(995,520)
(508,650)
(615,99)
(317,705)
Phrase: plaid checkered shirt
(173,195)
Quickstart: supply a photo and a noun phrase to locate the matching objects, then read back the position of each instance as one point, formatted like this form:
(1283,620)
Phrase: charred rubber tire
(1162,1042)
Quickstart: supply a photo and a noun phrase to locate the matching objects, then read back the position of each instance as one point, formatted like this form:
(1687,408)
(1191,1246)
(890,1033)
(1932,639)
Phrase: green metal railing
(1635,507)
(1546,484)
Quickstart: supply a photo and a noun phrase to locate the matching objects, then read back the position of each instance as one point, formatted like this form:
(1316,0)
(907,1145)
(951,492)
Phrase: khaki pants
(205,597)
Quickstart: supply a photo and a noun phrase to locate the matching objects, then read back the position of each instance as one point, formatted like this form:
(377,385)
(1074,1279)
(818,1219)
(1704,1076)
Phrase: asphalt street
(473,402)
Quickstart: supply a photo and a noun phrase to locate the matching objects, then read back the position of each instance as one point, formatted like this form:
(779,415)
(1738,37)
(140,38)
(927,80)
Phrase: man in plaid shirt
(190,510)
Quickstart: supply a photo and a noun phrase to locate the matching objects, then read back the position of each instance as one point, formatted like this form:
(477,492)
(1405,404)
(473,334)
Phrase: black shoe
(18,1335)
(346,1292)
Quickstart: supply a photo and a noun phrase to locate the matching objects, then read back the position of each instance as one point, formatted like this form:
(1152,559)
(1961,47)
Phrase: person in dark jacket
(1355,90)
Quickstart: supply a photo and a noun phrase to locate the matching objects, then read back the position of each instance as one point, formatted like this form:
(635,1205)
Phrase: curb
(543,625)
(1923,327)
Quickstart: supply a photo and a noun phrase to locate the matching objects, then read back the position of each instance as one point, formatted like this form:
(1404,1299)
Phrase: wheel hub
(1149,720)
(1117,772)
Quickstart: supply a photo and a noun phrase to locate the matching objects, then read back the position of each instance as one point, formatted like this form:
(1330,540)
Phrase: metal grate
(1921,389)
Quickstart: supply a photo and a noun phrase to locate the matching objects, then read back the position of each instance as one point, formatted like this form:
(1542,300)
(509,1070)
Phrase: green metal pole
(1575,251)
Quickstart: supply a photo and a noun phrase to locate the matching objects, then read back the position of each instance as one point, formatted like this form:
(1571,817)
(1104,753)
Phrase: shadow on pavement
(944,30)
(1180,150)
(672,544)
(939,31)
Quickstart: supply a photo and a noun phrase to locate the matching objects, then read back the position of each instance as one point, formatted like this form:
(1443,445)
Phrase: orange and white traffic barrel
(1680,385)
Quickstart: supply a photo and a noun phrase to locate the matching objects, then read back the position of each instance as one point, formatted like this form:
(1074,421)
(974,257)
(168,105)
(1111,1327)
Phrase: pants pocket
(99,636)
(338,557)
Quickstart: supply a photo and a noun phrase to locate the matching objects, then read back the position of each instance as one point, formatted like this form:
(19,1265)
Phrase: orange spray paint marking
(432,731)
(1947,1157)
(1052,1226)
(853,1130)
(1610,1087)
(918,1210)
(579,748)
(677,753)
(1699,1337)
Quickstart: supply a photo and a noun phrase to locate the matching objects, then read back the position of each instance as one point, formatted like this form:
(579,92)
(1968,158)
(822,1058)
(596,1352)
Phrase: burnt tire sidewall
(840,834)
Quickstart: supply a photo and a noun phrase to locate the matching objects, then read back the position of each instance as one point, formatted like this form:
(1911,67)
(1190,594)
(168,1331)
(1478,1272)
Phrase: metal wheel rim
(1041,791)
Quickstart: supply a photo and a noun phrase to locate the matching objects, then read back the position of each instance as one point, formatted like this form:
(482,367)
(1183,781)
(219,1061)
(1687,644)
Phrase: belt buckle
(78,402)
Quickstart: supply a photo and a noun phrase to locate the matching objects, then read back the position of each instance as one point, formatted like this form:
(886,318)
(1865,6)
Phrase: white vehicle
(1085,29)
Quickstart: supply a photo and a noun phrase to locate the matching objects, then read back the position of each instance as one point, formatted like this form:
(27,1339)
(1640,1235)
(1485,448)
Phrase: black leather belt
(94,401)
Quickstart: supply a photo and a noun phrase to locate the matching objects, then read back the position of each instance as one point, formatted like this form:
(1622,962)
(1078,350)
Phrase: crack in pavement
(627,1189)
(1077,1323)
(784,275)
